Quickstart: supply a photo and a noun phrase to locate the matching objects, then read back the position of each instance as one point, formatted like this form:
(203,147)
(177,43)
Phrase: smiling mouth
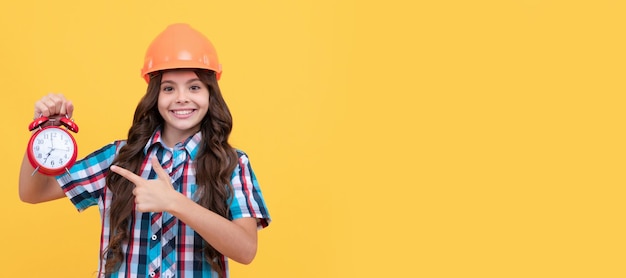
(183,112)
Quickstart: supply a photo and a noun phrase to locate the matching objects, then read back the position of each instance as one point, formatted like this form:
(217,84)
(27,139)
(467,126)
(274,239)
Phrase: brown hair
(215,162)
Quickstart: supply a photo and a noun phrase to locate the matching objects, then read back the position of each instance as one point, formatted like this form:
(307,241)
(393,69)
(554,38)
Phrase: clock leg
(36,169)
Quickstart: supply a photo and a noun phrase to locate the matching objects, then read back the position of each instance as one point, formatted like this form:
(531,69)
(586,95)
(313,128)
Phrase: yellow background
(434,139)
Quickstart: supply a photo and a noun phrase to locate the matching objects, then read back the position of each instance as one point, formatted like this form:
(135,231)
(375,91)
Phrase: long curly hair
(215,163)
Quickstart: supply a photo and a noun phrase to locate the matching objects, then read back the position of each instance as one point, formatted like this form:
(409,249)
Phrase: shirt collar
(190,144)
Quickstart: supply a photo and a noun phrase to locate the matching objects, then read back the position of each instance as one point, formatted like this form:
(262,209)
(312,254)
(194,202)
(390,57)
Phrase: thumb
(159,170)
(69,108)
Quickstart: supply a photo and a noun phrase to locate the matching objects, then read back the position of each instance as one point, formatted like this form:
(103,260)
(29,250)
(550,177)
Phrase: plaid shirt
(85,186)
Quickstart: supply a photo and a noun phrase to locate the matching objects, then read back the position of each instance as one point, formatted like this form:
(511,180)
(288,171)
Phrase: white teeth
(183,112)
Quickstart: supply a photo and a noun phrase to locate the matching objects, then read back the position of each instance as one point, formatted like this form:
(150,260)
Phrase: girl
(176,200)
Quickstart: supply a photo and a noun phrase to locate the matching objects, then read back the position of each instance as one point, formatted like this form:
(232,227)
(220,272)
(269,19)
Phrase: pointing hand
(156,195)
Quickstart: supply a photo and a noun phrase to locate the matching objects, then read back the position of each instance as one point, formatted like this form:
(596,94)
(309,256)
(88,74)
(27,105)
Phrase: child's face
(183,102)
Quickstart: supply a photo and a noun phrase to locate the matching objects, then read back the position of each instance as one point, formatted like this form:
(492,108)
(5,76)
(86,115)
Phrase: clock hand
(48,155)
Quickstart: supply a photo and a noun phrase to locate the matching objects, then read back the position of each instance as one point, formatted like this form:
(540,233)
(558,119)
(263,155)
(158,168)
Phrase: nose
(181,97)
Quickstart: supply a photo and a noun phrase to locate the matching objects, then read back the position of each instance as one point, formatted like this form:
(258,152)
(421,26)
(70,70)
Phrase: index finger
(126,174)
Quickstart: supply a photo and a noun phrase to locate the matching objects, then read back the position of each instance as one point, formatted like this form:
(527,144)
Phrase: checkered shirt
(85,186)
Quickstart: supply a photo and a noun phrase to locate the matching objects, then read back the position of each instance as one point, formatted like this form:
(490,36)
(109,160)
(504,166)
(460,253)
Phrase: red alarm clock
(52,149)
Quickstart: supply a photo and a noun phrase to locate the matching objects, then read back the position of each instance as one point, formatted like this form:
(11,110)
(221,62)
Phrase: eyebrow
(172,82)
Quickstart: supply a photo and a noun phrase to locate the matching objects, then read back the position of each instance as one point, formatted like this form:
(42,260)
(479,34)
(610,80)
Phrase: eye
(167,88)
(195,88)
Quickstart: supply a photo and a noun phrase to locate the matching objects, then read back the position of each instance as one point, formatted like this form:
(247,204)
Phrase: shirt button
(154,237)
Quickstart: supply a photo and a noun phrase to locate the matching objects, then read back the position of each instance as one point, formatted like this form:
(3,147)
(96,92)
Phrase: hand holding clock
(52,111)
(54,106)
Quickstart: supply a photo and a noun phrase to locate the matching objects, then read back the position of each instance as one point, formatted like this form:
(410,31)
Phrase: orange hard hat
(180,46)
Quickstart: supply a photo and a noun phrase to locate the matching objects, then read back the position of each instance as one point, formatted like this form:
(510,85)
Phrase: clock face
(53,149)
